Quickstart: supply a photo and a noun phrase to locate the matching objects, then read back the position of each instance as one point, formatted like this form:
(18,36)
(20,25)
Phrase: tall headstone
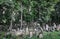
(47,27)
(27,31)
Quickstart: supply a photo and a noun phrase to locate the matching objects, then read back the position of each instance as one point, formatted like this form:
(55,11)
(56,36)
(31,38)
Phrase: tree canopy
(32,10)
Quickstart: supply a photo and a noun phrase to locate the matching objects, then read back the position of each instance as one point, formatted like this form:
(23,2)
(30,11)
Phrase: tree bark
(21,15)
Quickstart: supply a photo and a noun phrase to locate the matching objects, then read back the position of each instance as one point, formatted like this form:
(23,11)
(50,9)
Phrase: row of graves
(36,30)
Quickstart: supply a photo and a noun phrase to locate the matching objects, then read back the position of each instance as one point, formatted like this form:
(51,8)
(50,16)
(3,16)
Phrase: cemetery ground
(46,35)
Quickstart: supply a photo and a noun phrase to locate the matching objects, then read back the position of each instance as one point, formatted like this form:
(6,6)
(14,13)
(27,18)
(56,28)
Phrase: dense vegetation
(24,13)
(44,11)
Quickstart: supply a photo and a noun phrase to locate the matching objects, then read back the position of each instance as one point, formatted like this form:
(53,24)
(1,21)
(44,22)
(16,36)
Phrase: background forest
(24,13)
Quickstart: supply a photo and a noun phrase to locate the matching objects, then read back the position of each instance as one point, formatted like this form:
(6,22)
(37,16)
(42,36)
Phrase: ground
(47,35)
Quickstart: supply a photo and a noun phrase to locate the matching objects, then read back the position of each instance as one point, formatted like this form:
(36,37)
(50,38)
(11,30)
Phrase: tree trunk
(21,15)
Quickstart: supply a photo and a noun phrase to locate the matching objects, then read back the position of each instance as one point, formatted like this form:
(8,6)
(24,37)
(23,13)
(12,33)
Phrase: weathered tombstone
(36,32)
(58,27)
(39,31)
(51,28)
(47,27)
(44,28)
(40,35)
(31,34)
(13,32)
(27,31)
(54,26)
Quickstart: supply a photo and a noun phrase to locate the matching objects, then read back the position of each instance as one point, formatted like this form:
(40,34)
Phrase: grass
(52,35)
(47,35)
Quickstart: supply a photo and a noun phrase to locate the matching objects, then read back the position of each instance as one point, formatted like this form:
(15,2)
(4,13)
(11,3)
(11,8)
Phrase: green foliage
(32,10)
